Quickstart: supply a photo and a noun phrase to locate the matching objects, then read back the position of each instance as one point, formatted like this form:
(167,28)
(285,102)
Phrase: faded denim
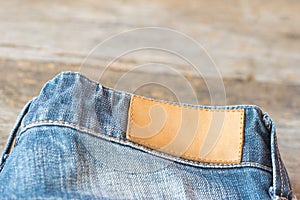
(69,143)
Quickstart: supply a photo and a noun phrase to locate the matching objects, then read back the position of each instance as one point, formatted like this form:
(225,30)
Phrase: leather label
(198,134)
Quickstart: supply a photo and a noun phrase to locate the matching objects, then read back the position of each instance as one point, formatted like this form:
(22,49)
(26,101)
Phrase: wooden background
(255,44)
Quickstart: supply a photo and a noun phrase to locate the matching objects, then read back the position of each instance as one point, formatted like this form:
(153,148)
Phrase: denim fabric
(70,143)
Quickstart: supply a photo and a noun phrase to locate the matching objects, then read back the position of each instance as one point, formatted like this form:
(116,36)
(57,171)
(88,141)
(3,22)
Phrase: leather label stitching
(198,134)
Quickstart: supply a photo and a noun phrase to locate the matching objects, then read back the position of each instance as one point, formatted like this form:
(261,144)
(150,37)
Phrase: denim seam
(12,139)
(288,184)
(280,170)
(192,108)
(281,174)
(140,147)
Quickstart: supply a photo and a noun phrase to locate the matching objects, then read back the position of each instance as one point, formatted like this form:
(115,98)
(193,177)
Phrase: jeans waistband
(73,100)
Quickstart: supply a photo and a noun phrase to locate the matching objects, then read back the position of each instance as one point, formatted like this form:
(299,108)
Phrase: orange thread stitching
(187,155)
(241,134)
(186,106)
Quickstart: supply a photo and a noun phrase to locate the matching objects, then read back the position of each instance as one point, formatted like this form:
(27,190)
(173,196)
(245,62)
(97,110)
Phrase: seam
(288,184)
(137,146)
(280,169)
(188,155)
(131,117)
(187,106)
(241,135)
(192,108)
(258,165)
(55,122)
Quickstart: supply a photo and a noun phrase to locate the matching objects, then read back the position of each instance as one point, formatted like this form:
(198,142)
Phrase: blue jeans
(74,142)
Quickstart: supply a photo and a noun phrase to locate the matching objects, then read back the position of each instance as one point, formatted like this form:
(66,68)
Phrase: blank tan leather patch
(204,135)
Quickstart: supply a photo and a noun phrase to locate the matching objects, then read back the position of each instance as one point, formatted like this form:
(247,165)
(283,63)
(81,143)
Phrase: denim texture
(70,143)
